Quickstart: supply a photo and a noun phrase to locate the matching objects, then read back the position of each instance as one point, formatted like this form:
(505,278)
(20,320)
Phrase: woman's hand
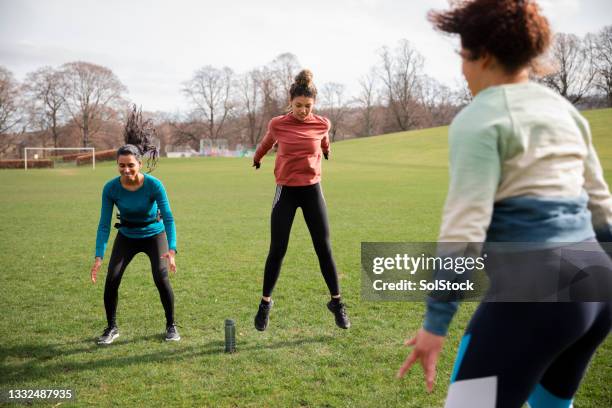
(427,348)
(170,257)
(95,268)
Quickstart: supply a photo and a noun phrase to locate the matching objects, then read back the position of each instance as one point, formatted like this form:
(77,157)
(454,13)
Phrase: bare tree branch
(285,68)
(367,99)
(210,92)
(252,102)
(601,50)
(9,101)
(400,73)
(89,91)
(334,106)
(575,73)
(44,91)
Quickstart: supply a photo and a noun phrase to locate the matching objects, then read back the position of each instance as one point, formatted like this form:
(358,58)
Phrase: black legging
(286,201)
(124,250)
(514,352)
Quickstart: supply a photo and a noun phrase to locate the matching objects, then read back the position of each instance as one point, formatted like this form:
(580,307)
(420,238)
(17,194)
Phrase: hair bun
(304,78)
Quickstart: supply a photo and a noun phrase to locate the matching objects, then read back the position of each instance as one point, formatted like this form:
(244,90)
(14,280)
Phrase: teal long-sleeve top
(136,206)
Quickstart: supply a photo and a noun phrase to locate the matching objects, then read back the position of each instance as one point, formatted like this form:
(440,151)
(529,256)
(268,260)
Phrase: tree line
(83,104)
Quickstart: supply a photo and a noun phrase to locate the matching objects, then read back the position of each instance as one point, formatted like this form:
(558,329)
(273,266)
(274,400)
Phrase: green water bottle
(230,336)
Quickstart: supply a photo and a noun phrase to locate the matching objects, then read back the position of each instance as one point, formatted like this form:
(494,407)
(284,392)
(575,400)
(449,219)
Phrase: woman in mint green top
(146,225)
(523,169)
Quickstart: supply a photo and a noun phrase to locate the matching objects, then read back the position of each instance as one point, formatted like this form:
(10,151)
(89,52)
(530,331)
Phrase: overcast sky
(153,46)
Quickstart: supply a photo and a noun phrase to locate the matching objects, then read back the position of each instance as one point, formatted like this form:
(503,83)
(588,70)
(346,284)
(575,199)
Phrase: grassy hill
(388,188)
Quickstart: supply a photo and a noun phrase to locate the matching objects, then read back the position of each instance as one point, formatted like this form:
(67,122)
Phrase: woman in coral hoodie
(302,139)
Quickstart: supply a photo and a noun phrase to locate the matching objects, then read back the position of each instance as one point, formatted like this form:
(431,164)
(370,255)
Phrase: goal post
(30,155)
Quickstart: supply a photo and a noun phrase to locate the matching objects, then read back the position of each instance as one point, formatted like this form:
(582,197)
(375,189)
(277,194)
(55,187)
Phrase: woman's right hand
(95,268)
(427,348)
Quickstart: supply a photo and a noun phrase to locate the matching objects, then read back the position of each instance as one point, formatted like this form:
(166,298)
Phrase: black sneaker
(172,334)
(109,335)
(339,311)
(263,315)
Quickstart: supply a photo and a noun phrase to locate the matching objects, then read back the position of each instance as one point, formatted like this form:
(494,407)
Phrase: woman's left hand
(170,257)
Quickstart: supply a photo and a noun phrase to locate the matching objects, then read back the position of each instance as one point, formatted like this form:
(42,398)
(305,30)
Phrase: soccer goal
(37,157)
(216,147)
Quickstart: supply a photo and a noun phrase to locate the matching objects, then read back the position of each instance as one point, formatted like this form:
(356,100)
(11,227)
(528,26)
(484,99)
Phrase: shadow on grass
(256,345)
(49,361)
(44,352)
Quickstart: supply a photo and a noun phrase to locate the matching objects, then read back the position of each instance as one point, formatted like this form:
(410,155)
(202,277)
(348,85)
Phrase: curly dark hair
(513,31)
(138,136)
(303,85)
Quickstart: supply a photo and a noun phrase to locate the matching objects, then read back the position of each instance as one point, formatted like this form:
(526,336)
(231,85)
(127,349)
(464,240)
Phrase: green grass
(388,188)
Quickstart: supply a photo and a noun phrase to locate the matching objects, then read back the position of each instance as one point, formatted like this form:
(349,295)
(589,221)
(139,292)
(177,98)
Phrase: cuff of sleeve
(438,316)
(604,233)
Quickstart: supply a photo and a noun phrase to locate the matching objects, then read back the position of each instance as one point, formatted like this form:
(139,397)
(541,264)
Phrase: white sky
(154,45)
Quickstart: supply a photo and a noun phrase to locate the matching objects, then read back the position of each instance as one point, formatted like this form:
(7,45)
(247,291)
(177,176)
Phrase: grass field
(388,188)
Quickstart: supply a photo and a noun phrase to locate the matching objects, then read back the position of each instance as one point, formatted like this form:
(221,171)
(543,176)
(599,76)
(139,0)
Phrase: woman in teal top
(146,225)
(523,169)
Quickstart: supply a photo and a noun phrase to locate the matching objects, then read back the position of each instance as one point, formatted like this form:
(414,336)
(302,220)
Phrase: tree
(252,104)
(9,101)
(187,131)
(270,93)
(400,73)
(437,101)
(575,73)
(10,106)
(90,91)
(335,106)
(210,92)
(367,101)
(285,68)
(44,91)
(462,95)
(601,51)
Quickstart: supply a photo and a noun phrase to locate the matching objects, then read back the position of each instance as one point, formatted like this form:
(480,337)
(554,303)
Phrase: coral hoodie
(300,147)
